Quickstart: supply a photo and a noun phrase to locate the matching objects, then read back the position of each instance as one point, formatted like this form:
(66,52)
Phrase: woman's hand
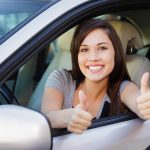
(81,119)
(143,101)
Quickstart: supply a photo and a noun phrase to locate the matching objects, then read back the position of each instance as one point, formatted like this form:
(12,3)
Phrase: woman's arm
(138,100)
(129,96)
(74,119)
(52,107)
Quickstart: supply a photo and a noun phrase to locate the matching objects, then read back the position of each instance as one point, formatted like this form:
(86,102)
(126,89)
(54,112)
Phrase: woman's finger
(81,121)
(145,112)
(77,126)
(146,117)
(144,105)
(74,130)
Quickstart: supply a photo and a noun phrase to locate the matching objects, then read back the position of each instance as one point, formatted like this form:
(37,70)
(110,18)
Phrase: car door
(115,136)
(30,38)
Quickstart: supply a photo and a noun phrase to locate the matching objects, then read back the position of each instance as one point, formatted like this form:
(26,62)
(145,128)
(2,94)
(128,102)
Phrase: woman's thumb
(144,83)
(83,100)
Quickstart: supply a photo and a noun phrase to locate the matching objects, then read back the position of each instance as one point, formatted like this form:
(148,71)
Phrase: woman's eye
(102,48)
(83,50)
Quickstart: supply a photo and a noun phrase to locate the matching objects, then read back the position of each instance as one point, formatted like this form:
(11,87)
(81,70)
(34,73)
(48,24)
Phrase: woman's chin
(95,79)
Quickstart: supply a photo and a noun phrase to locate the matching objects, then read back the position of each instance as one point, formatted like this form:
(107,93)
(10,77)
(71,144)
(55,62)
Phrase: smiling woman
(96,77)
(112,57)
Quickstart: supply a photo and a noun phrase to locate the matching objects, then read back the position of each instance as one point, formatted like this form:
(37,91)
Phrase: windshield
(13,12)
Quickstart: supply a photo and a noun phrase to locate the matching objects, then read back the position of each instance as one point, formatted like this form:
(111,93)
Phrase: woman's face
(96,56)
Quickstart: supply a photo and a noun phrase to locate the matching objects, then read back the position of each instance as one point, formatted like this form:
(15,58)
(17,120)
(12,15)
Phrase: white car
(35,37)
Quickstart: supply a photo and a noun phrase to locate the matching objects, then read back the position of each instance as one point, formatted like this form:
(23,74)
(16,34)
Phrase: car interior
(131,39)
(29,81)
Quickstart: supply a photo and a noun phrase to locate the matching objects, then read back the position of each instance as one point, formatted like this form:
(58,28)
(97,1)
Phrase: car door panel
(128,135)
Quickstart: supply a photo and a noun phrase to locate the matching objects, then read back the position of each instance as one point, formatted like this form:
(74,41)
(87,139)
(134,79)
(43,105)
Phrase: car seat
(61,60)
(136,64)
(132,39)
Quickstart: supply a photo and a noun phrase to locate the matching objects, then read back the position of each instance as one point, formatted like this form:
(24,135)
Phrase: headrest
(64,41)
(127,33)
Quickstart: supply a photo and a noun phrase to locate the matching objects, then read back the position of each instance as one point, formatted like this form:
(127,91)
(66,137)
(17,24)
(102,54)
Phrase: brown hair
(119,72)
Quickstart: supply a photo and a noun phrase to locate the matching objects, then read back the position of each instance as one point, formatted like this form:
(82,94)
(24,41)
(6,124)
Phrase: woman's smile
(95,68)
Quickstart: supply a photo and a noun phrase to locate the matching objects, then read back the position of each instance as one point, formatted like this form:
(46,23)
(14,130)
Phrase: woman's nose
(93,56)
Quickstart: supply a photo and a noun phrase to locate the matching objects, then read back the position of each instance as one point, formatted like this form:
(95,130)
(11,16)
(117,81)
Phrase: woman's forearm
(60,118)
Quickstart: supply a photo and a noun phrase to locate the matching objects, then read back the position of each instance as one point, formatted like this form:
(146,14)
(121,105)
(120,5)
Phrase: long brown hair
(119,72)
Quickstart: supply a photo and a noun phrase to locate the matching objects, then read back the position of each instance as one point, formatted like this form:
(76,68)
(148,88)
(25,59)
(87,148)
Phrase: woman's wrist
(68,115)
(60,118)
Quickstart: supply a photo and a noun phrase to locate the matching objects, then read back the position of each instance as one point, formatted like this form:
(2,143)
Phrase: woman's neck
(94,90)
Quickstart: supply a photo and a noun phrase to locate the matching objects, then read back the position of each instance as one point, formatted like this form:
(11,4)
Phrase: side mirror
(23,129)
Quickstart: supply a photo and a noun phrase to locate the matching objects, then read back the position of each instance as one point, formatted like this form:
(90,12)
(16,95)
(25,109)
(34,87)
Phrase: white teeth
(95,67)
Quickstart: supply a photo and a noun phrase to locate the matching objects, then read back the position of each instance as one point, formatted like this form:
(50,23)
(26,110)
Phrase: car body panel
(23,129)
(128,135)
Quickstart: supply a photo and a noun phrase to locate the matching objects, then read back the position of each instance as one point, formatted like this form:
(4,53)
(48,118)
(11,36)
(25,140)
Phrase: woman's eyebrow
(97,44)
(84,45)
(102,43)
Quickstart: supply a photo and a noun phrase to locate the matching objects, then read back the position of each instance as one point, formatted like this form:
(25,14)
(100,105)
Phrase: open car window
(27,83)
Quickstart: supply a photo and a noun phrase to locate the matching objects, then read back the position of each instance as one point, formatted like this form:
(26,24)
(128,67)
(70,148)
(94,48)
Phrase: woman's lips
(95,68)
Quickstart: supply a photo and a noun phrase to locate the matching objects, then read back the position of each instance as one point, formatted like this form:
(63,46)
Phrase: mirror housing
(23,129)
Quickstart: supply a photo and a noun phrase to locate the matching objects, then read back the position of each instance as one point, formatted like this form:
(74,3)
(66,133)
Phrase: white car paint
(23,129)
(128,135)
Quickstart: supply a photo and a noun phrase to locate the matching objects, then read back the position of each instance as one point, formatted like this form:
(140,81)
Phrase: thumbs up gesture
(81,118)
(143,101)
